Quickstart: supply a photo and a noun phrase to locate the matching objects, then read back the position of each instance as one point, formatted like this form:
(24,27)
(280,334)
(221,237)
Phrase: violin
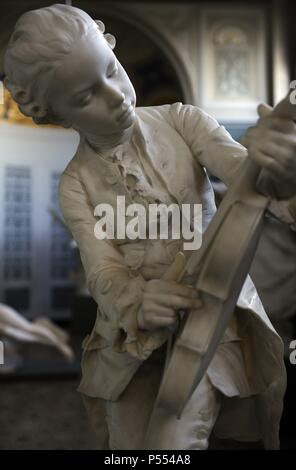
(221,266)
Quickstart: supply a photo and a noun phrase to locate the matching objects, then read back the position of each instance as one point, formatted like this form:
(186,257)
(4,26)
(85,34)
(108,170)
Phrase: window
(233,79)
(36,258)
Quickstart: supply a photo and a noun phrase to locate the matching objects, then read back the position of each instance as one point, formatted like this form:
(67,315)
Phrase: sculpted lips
(125,113)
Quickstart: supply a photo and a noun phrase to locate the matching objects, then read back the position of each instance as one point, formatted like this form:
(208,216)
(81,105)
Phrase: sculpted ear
(27,105)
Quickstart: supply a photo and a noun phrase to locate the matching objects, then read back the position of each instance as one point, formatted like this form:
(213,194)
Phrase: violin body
(221,266)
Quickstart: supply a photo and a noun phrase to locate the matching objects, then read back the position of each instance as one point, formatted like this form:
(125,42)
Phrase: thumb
(175,269)
(264,109)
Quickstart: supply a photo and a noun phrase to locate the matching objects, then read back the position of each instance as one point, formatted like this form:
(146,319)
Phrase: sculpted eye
(83,101)
(113,72)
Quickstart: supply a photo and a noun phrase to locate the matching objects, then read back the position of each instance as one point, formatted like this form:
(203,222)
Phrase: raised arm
(220,154)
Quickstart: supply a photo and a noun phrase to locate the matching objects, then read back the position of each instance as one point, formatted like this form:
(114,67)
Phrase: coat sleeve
(211,144)
(116,289)
(215,149)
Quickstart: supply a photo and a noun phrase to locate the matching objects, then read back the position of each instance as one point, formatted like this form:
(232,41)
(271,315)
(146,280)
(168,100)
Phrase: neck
(103,143)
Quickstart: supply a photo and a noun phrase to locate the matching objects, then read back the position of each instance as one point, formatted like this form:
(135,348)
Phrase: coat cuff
(138,343)
(121,302)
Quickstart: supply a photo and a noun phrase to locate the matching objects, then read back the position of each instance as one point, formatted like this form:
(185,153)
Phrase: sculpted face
(91,91)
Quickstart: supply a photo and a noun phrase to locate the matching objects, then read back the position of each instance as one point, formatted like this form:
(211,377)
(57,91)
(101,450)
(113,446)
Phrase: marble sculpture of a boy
(61,69)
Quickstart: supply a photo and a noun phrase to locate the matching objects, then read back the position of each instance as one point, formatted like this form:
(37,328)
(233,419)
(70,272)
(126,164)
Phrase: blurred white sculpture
(42,330)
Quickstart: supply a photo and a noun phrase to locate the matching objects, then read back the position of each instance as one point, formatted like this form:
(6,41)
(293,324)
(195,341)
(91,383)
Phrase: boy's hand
(163,297)
(272,145)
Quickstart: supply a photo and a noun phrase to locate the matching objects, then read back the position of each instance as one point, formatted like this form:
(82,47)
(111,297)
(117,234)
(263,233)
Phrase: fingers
(264,109)
(162,311)
(268,120)
(173,301)
(276,155)
(152,316)
(154,310)
(155,315)
(275,119)
(283,125)
(278,146)
(268,129)
(263,160)
(155,322)
(164,297)
(175,270)
(161,322)
(158,286)
(284,142)
(184,303)
(244,141)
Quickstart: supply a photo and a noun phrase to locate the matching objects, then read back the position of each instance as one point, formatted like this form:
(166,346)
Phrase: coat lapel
(101,177)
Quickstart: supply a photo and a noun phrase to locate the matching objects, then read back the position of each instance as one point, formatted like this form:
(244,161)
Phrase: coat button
(118,155)
(112,178)
(106,287)
(131,181)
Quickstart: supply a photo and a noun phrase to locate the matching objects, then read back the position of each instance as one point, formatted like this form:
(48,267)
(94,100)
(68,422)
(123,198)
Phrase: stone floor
(43,414)
(41,409)
(48,414)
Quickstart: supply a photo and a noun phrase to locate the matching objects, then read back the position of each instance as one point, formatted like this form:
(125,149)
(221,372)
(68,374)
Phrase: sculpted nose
(115,97)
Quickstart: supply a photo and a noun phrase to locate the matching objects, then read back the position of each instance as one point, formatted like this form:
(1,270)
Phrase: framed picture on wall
(233,62)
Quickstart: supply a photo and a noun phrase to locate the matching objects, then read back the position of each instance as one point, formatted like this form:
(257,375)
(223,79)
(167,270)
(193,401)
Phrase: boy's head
(60,68)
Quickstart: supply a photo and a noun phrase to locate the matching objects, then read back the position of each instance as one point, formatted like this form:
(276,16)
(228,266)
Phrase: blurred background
(225,57)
